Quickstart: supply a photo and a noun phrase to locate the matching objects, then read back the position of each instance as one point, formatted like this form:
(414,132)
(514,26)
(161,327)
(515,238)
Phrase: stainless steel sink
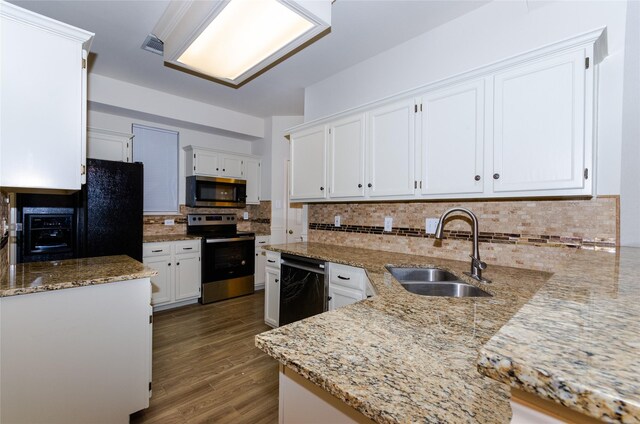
(434,282)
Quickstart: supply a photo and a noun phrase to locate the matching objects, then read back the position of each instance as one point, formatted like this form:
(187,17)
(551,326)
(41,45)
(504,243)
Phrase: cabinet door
(341,296)
(272,296)
(161,284)
(390,147)
(346,157)
(41,104)
(453,139)
(205,163)
(231,166)
(308,164)
(539,134)
(260,265)
(187,276)
(109,145)
(252,174)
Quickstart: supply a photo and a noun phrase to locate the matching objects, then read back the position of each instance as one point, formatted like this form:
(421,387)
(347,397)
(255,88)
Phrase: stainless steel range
(227,256)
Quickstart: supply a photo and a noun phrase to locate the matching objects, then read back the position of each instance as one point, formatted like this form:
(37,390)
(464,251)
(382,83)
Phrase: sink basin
(434,282)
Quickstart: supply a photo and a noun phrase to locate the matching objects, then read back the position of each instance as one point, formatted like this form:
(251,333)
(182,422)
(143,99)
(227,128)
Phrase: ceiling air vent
(153,44)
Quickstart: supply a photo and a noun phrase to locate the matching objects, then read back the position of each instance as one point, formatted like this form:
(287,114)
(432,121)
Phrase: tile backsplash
(259,220)
(535,234)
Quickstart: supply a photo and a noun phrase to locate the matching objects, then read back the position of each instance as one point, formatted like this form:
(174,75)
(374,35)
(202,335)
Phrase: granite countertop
(400,357)
(577,341)
(35,277)
(168,237)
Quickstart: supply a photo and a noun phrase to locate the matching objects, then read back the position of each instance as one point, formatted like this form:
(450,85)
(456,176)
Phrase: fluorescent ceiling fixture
(233,41)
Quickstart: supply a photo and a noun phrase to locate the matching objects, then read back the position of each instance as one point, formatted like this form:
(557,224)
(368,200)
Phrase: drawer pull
(277,281)
(261,242)
(271,261)
(344,278)
(156,251)
(187,248)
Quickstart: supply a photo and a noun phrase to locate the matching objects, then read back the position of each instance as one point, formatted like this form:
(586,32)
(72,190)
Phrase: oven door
(229,258)
(48,234)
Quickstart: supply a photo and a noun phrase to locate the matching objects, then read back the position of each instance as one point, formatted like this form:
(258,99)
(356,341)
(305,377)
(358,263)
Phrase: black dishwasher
(303,291)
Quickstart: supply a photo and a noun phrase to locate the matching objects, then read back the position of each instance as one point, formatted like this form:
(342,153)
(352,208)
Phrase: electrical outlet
(431,224)
(245,215)
(336,221)
(169,222)
(388,223)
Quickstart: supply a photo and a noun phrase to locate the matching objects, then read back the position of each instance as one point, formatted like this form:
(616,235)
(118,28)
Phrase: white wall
(187,137)
(279,158)
(630,184)
(490,33)
(115,93)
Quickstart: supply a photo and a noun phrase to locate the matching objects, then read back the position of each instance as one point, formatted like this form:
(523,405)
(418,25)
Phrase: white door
(390,149)
(308,164)
(539,125)
(272,296)
(231,166)
(341,296)
(187,276)
(205,163)
(346,157)
(252,175)
(453,139)
(161,286)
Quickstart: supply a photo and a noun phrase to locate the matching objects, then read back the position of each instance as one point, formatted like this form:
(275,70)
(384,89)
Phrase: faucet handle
(478,263)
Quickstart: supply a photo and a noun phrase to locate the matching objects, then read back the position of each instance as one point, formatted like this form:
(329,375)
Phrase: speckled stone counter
(400,357)
(156,238)
(37,277)
(577,341)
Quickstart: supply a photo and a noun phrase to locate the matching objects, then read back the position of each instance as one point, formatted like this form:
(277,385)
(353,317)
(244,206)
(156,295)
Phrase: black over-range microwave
(216,192)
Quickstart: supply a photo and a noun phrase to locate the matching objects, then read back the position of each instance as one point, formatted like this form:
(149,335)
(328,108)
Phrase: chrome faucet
(476,264)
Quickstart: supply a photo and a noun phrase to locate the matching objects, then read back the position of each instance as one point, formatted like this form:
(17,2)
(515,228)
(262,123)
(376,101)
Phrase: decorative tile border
(484,237)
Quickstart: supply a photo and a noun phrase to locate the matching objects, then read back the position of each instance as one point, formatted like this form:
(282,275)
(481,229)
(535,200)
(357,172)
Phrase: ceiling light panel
(234,40)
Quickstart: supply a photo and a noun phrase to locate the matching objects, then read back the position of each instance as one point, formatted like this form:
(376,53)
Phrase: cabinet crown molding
(191,148)
(18,14)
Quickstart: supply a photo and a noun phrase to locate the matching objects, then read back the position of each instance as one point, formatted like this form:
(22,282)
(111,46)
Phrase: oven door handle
(318,270)
(230,239)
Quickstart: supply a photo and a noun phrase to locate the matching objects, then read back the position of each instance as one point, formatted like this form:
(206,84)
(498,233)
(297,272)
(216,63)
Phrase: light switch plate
(245,215)
(388,223)
(169,222)
(336,221)
(431,224)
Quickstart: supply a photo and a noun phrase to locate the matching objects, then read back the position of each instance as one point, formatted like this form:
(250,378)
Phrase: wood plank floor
(207,369)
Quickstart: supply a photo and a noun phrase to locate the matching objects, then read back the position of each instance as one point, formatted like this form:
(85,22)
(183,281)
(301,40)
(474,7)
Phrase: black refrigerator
(110,215)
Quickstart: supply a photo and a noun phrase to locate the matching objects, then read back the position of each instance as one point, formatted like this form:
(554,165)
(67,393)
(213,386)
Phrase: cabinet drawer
(187,246)
(155,249)
(273,259)
(347,276)
(262,240)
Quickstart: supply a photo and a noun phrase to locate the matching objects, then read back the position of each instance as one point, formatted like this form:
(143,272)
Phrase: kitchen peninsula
(76,340)
(400,357)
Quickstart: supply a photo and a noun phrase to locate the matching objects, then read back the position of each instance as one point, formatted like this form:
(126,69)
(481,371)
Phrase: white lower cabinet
(178,264)
(272,290)
(261,261)
(347,285)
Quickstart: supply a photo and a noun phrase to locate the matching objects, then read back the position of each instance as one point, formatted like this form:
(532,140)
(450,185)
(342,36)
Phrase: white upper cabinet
(539,125)
(521,127)
(347,157)
(231,166)
(308,164)
(453,139)
(109,145)
(253,176)
(203,162)
(42,102)
(390,146)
